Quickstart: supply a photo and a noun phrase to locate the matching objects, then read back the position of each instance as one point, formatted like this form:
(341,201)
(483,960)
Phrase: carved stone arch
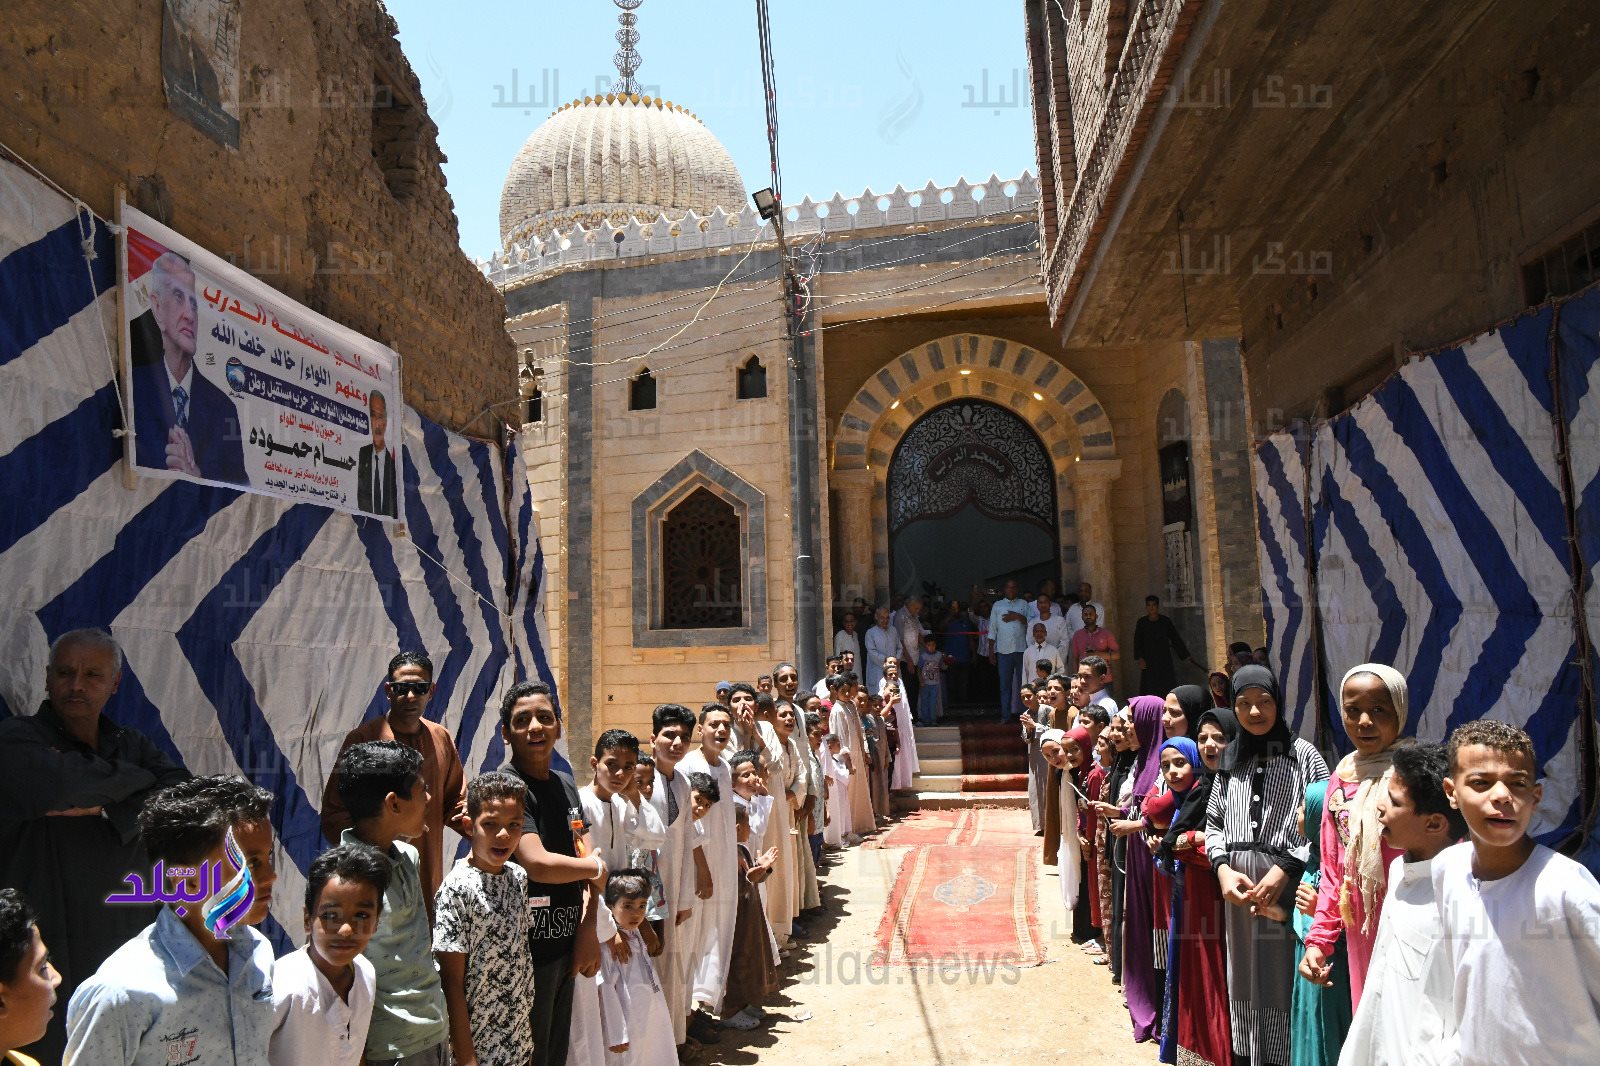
(1056,404)
(696,472)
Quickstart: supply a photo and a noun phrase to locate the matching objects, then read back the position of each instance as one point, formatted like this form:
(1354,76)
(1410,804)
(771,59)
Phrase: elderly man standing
(910,631)
(72,783)
(409,687)
(1008,629)
(882,641)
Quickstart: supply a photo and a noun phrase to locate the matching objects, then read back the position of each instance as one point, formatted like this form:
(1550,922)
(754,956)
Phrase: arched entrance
(971,502)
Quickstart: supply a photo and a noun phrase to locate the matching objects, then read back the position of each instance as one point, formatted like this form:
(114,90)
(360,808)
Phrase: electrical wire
(853,247)
(947,275)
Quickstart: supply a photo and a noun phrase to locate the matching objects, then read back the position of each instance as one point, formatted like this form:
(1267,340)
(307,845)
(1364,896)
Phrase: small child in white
(1520,921)
(1406,1014)
(838,827)
(322,994)
(480,934)
(633,1009)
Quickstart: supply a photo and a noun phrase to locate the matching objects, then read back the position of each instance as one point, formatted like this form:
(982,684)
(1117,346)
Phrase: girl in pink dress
(1355,858)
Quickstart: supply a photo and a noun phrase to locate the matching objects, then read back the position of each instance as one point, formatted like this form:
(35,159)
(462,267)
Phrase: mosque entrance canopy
(971,502)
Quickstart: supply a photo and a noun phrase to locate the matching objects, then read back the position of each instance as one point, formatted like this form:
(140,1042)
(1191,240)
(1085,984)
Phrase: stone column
(852,547)
(1220,432)
(1097,556)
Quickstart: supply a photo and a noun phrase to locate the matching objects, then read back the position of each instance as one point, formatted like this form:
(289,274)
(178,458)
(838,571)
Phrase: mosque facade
(928,425)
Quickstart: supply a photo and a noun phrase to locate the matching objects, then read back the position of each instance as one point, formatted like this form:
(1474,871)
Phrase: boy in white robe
(837,829)
(1521,922)
(906,766)
(1406,1015)
(633,1009)
(685,875)
(716,915)
(617,828)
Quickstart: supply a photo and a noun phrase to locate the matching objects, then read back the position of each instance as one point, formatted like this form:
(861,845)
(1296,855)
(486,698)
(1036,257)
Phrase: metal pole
(803,446)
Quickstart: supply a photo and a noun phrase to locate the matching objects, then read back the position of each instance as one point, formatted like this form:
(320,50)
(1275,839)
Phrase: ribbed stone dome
(616,157)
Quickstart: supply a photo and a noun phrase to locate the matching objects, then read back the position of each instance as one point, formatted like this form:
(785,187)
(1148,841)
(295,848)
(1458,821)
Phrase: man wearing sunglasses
(409,687)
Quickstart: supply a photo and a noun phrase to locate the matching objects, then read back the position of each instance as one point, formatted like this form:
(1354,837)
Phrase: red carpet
(925,828)
(970,900)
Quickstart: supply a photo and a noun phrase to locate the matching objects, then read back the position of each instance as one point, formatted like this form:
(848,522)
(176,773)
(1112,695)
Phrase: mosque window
(642,391)
(752,380)
(702,576)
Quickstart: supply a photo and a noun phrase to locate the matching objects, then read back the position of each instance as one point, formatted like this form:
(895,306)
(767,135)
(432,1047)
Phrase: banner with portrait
(229,382)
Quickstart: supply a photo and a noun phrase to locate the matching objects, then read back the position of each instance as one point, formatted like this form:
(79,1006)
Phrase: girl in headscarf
(1258,851)
(1099,876)
(1319,1015)
(1143,980)
(1220,688)
(1355,860)
(1066,751)
(1117,794)
(1194,1026)
(1181,716)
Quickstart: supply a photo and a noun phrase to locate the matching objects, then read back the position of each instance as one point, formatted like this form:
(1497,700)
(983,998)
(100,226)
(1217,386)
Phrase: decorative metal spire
(627,60)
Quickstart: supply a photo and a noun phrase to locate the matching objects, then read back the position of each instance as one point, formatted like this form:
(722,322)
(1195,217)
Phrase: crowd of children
(1254,907)
(1257,909)
(625,922)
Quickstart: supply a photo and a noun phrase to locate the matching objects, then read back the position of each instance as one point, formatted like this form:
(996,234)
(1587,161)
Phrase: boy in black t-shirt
(555,851)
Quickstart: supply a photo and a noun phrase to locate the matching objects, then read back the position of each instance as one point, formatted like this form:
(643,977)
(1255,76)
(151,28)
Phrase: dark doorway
(971,503)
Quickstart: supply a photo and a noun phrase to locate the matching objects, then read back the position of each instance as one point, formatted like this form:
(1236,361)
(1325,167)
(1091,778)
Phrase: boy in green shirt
(381,784)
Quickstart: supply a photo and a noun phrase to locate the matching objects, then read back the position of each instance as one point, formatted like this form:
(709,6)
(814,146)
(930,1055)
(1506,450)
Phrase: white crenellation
(692,232)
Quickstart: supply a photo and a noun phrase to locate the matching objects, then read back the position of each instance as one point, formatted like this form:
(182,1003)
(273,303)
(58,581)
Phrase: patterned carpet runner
(965,892)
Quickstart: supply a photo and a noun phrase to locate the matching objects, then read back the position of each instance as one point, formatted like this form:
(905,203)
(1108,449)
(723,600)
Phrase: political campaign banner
(229,382)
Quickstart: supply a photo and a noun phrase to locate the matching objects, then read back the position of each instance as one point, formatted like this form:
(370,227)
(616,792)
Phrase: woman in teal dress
(1319,1017)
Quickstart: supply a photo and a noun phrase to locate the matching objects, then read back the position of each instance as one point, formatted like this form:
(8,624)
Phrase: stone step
(939,733)
(936,801)
(935,766)
(938,782)
(938,750)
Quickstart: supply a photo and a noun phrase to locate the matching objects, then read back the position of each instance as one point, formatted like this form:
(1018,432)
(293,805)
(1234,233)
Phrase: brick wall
(302,203)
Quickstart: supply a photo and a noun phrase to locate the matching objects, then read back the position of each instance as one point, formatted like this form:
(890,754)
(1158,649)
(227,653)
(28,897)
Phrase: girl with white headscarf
(1355,858)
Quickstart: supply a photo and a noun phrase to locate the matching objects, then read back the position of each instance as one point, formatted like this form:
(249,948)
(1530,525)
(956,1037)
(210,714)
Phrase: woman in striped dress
(1259,854)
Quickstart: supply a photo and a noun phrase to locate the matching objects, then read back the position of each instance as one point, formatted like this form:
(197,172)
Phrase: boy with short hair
(930,681)
(383,789)
(713,952)
(838,828)
(178,992)
(482,932)
(1519,920)
(249,808)
(1405,1015)
(685,875)
(816,795)
(555,851)
(322,994)
(633,1009)
(28,982)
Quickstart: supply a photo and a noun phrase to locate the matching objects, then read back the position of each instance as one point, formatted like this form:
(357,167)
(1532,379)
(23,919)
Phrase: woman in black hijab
(1256,847)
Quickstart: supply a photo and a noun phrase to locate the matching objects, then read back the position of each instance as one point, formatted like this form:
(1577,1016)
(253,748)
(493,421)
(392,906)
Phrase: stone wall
(592,331)
(302,203)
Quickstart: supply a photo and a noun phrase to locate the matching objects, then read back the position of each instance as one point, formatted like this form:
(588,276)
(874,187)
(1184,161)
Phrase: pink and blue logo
(224,905)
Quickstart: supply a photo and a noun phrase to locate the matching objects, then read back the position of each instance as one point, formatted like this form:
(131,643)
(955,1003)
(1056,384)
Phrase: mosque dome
(615,157)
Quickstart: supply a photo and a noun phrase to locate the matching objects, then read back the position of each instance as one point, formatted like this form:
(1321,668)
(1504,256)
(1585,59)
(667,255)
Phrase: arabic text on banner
(230,382)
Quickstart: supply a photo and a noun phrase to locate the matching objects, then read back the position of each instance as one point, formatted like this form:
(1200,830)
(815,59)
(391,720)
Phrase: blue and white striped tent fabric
(1440,546)
(1283,523)
(256,632)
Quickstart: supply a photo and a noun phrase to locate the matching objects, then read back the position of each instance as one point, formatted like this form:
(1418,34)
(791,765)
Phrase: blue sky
(869,93)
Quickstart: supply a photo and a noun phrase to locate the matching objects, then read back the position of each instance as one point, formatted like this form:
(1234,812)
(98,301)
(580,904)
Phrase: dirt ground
(959,1013)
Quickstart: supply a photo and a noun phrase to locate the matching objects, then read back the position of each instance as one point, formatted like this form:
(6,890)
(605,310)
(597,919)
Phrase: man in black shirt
(556,852)
(1155,639)
(72,784)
